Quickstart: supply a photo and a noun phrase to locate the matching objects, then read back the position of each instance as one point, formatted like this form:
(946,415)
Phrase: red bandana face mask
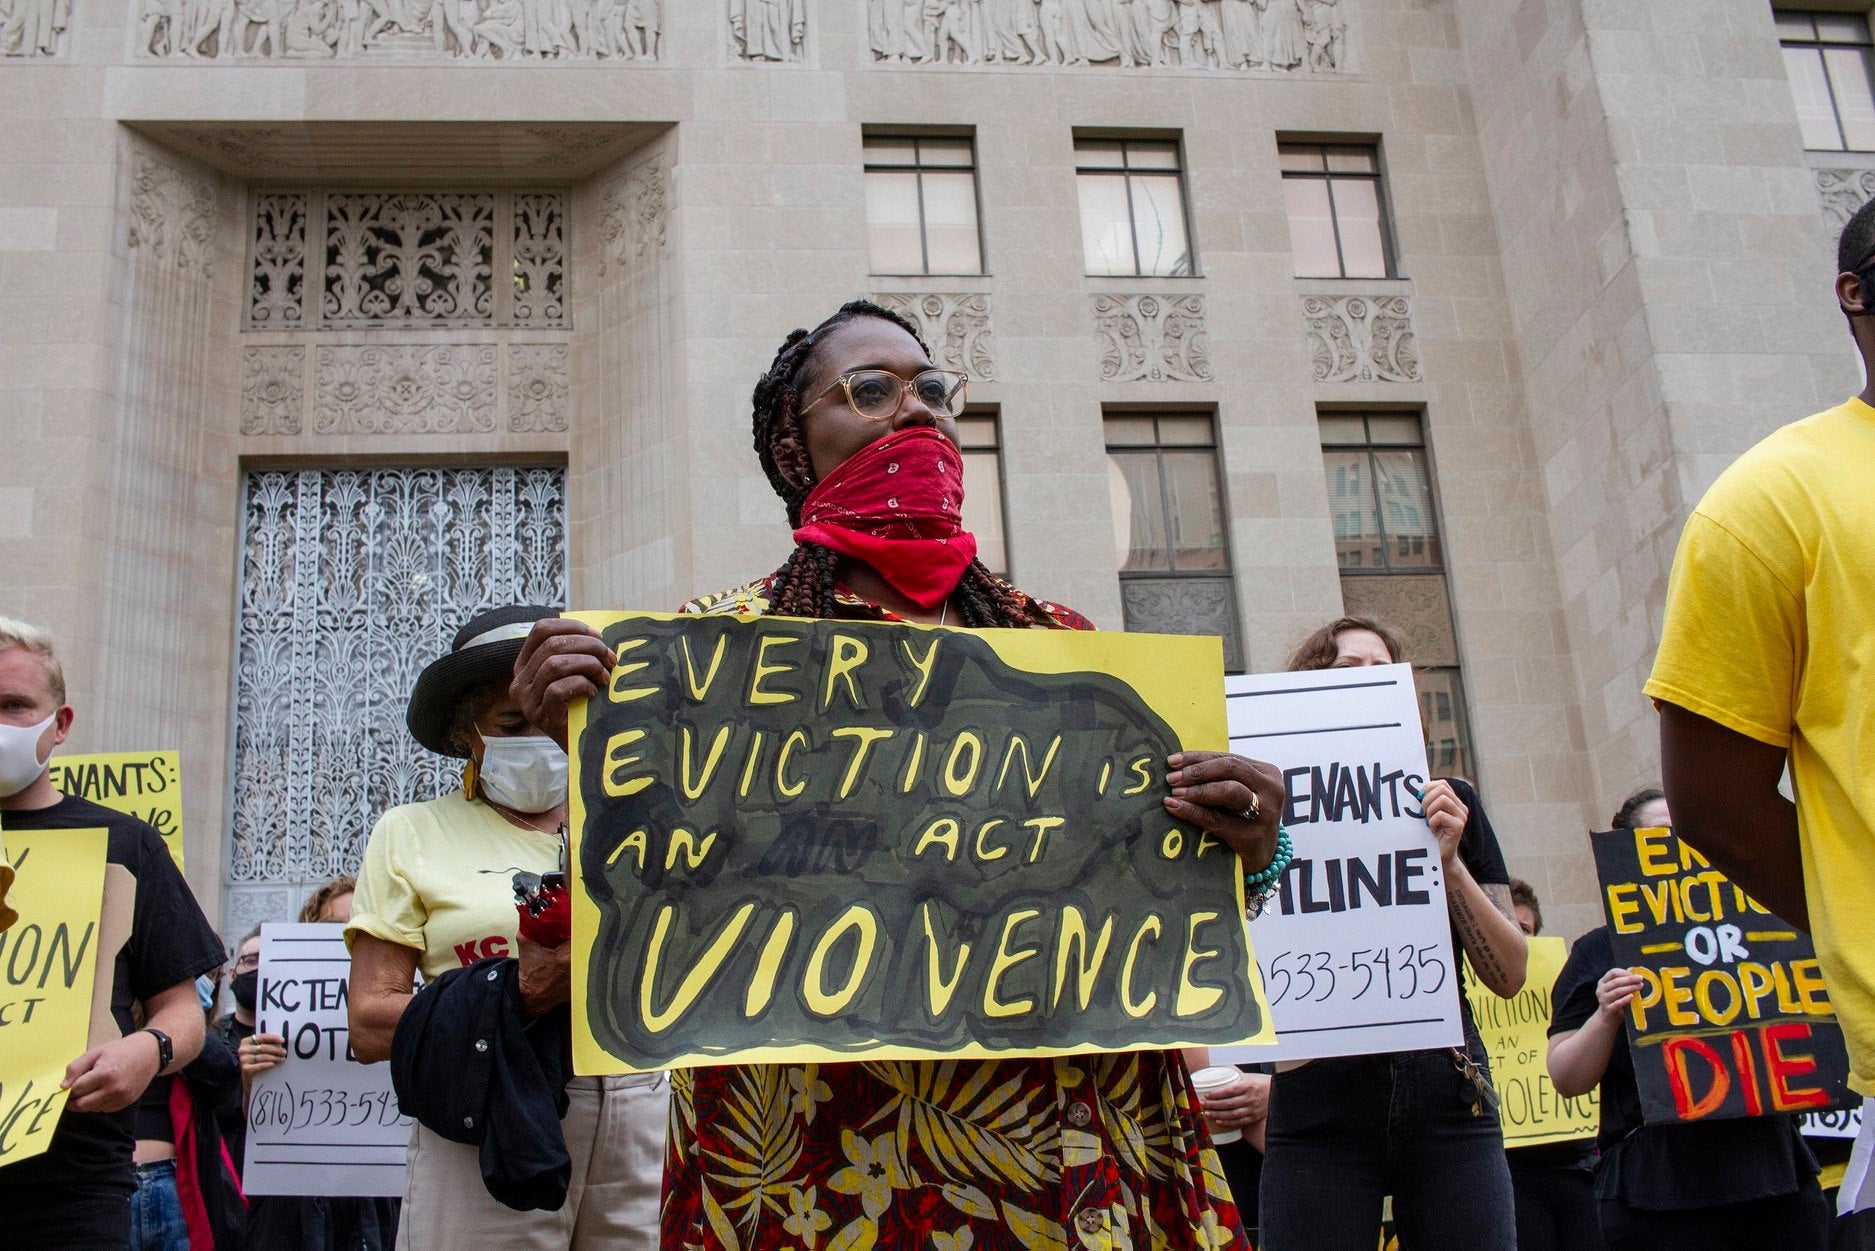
(897,504)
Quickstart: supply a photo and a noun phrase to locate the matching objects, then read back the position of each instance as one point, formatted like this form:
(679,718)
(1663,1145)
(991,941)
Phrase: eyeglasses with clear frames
(878,394)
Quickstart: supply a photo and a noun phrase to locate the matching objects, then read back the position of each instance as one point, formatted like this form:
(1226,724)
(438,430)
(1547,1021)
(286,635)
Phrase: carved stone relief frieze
(1268,36)
(172,215)
(33,28)
(1184,606)
(1843,191)
(404,389)
(273,388)
(957,328)
(767,30)
(633,212)
(277,277)
(1156,338)
(1358,338)
(417,260)
(397,30)
(537,388)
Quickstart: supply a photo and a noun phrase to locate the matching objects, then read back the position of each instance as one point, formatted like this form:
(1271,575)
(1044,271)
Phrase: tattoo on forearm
(1473,937)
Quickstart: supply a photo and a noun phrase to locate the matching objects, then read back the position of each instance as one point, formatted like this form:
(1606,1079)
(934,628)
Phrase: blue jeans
(1346,1133)
(156,1222)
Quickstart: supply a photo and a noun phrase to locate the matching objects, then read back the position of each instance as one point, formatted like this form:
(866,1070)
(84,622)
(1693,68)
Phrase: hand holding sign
(1617,989)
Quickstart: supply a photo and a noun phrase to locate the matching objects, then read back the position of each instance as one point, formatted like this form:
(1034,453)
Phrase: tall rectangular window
(1132,207)
(921,205)
(1337,212)
(979,435)
(1393,562)
(1169,536)
(1827,56)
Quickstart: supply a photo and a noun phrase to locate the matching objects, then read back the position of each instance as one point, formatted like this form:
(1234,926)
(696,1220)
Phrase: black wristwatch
(165,1050)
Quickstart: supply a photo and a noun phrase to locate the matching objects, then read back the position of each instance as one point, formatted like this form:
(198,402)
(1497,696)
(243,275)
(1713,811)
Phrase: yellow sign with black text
(1516,1033)
(145,784)
(832,840)
(48,961)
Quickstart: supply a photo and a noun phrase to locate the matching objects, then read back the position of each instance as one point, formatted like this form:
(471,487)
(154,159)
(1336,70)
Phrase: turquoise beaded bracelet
(1258,887)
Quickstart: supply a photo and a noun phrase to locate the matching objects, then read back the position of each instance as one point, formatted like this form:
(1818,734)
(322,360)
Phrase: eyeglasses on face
(247,960)
(878,394)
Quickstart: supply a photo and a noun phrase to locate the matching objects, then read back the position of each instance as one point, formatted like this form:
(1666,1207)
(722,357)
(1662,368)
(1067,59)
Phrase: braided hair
(804,585)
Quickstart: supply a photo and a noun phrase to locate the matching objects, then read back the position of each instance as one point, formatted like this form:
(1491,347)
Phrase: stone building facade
(329,320)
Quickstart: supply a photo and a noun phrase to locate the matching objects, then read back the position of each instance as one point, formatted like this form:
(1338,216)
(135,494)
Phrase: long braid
(804,585)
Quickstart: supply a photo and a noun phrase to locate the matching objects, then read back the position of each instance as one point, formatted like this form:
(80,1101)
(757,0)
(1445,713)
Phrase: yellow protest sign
(826,840)
(48,960)
(1516,1033)
(145,784)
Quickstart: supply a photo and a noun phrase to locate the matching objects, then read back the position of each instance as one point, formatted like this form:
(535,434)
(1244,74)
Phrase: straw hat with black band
(484,653)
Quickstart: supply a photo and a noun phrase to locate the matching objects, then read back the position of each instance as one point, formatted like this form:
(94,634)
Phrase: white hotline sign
(1355,949)
(321,1123)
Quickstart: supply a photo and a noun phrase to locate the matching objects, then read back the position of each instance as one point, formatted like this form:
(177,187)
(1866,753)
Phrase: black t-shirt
(233,1117)
(1479,852)
(171,942)
(1695,1165)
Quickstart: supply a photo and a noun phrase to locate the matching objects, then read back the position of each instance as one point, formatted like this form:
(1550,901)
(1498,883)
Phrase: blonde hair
(30,638)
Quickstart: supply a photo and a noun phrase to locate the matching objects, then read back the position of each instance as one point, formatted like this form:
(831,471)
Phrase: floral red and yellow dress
(1094,1151)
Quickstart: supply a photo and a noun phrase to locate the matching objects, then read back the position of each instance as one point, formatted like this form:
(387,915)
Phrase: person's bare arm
(111,1077)
(1483,915)
(1722,791)
(1579,1057)
(380,990)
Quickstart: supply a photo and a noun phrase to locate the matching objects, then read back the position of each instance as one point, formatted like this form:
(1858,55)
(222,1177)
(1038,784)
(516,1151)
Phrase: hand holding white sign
(1356,949)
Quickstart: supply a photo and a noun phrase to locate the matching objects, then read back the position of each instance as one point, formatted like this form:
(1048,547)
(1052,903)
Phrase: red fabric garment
(191,1159)
(897,504)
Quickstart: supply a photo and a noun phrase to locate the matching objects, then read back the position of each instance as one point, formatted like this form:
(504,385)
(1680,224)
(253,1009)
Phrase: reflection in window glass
(1337,227)
(1169,536)
(1827,58)
(1132,207)
(1386,526)
(921,206)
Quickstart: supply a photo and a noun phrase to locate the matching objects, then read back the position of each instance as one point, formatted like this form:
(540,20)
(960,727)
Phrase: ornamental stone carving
(1266,36)
(1843,191)
(1156,338)
(404,389)
(767,30)
(398,30)
(956,326)
(273,389)
(633,210)
(1184,606)
(406,260)
(1358,338)
(33,28)
(277,277)
(172,215)
(537,388)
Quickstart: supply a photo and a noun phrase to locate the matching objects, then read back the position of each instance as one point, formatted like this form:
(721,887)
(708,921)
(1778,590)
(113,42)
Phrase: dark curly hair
(804,585)
(1630,809)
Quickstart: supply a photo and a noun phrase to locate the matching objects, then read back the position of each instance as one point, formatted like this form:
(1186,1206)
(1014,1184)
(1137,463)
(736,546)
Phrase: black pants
(1793,1222)
(71,1218)
(1556,1208)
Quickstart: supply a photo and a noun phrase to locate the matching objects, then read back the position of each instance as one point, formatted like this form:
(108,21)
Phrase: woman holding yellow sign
(856,430)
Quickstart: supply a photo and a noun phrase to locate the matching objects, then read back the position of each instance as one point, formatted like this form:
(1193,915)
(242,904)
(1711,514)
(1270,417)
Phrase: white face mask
(20,765)
(525,774)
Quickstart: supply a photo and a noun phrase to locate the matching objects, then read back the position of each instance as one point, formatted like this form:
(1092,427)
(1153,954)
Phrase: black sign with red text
(1733,1018)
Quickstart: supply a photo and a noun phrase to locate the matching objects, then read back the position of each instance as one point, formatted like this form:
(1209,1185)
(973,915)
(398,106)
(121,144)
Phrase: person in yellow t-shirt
(1768,655)
(435,893)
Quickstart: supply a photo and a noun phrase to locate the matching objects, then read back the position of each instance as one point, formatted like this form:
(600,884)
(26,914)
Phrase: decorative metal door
(351,582)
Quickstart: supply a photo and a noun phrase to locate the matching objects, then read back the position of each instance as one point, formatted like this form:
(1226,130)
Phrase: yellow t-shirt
(438,876)
(1770,631)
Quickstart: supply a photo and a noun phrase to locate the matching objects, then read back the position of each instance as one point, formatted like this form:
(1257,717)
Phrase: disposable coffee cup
(1217,1077)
